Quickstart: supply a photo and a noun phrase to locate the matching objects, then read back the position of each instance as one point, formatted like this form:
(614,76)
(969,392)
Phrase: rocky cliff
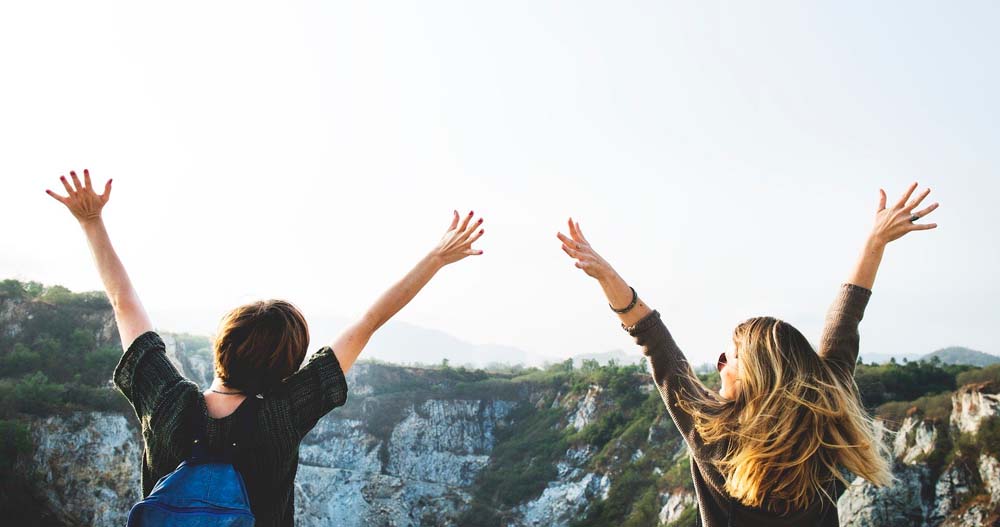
(947,472)
(561,447)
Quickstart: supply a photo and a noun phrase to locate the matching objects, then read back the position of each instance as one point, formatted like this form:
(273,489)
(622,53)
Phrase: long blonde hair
(794,423)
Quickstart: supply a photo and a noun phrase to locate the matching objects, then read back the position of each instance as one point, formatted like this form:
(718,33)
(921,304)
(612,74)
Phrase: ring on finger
(914,218)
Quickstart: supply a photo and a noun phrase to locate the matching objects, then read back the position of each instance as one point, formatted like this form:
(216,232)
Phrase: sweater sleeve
(840,339)
(672,374)
(315,389)
(146,377)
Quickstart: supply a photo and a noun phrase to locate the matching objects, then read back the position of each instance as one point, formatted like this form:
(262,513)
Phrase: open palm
(82,201)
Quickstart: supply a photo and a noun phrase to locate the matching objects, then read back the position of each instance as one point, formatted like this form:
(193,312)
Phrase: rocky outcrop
(195,367)
(989,473)
(674,504)
(350,477)
(915,439)
(564,499)
(587,408)
(390,459)
(950,492)
(964,492)
(85,467)
(972,404)
(865,505)
(445,442)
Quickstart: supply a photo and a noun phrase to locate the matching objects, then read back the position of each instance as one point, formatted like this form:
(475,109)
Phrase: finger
(913,204)
(571,252)
(454,222)
(107,190)
(566,240)
(923,226)
(465,223)
(902,201)
(473,252)
(55,196)
(926,211)
(86,180)
(881,200)
(579,265)
(464,237)
(66,185)
(475,237)
(76,181)
(580,232)
(572,230)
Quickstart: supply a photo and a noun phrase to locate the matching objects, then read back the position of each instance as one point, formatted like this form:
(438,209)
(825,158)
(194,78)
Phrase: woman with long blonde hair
(769,448)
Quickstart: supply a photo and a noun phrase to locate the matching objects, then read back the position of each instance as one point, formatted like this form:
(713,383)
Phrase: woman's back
(678,386)
(164,400)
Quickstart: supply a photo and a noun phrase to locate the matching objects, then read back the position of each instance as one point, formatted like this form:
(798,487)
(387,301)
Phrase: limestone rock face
(85,467)
(350,477)
(587,408)
(564,499)
(915,439)
(989,474)
(949,492)
(674,505)
(972,404)
(446,442)
(964,492)
(415,462)
(864,505)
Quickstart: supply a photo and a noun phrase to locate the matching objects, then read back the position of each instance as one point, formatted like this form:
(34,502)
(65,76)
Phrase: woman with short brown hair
(258,351)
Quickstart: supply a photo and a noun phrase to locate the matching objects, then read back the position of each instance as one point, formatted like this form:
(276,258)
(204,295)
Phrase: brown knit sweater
(163,400)
(672,375)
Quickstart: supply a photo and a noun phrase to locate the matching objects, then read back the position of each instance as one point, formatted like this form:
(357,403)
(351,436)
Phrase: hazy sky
(725,157)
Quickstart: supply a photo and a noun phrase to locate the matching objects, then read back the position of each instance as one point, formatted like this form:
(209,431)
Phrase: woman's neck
(220,388)
(221,400)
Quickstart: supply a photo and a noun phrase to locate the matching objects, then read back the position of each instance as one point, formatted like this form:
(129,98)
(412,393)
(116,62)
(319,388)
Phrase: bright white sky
(725,157)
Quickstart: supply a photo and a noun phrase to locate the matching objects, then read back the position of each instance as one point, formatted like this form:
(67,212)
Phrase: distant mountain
(403,343)
(960,355)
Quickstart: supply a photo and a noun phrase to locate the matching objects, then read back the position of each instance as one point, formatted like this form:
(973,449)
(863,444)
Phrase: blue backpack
(205,490)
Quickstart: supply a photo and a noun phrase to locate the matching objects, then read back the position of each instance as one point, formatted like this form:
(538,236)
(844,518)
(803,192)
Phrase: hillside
(960,355)
(560,446)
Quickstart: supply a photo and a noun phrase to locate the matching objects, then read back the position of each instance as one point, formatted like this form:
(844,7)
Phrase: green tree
(34,394)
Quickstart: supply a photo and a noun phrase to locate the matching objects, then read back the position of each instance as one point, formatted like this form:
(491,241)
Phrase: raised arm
(454,246)
(672,373)
(840,338)
(86,205)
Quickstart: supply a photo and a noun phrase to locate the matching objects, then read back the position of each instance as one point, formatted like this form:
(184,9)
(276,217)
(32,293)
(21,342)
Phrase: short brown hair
(260,344)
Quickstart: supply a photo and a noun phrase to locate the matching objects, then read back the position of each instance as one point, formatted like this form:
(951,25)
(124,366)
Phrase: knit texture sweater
(673,376)
(163,401)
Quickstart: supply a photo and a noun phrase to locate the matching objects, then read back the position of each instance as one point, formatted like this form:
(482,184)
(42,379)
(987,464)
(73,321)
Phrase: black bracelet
(635,298)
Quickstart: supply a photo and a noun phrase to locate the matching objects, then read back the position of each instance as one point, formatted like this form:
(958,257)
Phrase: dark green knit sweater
(838,347)
(163,400)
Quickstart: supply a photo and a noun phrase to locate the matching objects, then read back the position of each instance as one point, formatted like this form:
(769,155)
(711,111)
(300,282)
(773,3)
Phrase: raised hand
(894,222)
(457,242)
(82,201)
(578,248)
(621,298)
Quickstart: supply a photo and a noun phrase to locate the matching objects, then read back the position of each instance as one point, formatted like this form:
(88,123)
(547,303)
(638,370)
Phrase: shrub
(936,407)
(688,518)
(990,373)
(34,394)
(988,436)
(19,361)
